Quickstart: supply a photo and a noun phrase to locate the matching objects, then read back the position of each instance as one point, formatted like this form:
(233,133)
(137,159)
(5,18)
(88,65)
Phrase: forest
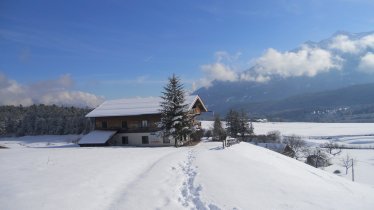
(43,120)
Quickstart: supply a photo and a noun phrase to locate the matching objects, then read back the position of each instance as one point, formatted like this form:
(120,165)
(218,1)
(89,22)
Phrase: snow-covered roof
(97,137)
(135,106)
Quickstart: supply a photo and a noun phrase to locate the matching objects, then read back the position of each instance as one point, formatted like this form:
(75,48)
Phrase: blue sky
(118,49)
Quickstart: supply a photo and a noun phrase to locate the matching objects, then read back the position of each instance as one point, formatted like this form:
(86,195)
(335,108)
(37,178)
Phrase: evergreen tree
(243,124)
(2,126)
(175,120)
(219,133)
(232,123)
(251,129)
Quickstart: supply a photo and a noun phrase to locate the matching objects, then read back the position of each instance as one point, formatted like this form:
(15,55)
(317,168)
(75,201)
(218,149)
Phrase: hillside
(350,104)
(243,176)
(284,83)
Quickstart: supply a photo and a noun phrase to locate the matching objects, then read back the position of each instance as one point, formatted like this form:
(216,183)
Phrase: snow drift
(243,176)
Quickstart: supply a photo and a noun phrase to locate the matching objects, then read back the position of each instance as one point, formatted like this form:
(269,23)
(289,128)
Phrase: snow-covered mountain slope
(243,176)
(350,57)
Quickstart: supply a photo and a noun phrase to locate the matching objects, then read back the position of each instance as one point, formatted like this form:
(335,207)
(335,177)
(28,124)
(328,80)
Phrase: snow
(364,170)
(351,135)
(40,141)
(316,129)
(97,137)
(309,129)
(268,180)
(134,106)
(204,176)
(278,147)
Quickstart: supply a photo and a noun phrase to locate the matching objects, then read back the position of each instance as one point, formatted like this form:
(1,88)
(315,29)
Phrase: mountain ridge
(224,95)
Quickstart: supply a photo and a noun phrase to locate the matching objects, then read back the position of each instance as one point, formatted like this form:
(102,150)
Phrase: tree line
(238,125)
(43,120)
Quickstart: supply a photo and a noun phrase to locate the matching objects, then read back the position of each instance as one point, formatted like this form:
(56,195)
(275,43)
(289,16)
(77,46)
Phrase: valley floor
(243,176)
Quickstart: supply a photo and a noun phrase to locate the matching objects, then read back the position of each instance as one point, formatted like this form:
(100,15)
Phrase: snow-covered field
(244,176)
(357,135)
(363,167)
(50,141)
(309,129)
(51,172)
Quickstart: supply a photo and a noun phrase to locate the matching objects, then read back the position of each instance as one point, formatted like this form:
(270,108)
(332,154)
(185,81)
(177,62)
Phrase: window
(145,140)
(125,140)
(104,124)
(124,124)
(144,123)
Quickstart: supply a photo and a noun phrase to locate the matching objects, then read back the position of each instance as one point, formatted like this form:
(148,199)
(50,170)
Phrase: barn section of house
(133,122)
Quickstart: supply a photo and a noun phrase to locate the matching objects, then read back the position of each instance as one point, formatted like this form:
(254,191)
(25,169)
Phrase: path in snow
(242,176)
(157,185)
(174,171)
(190,193)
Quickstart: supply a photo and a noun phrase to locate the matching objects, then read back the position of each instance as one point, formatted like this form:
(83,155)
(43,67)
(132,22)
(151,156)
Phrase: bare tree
(297,145)
(275,135)
(347,162)
(331,145)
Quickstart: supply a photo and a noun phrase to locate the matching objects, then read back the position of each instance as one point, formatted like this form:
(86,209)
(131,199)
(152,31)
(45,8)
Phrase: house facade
(134,122)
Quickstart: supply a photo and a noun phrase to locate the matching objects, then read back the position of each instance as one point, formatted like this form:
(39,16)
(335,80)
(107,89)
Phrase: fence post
(353,172)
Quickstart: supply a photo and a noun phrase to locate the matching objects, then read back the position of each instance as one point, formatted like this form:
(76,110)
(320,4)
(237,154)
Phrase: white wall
(135,139)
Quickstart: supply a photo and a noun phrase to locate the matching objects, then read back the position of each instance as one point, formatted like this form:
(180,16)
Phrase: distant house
(317,160)
(133,122)
(278,147)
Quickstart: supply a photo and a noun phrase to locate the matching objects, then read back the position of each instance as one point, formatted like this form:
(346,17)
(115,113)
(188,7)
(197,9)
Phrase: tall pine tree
(232,123)
(175,120)
(219,133)
(244,124)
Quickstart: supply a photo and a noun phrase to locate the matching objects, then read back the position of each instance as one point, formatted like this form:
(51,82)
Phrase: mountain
(349,50)
(348,104)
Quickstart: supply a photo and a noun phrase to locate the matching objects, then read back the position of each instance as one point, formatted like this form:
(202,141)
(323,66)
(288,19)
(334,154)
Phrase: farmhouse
(134,122)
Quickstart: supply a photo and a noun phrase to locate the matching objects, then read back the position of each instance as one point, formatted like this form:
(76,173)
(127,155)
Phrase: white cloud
(308,60)
(346,45)
(247,76)
(12,93)
(46,92)
(221,70)
(305,62)
(367,63)
(367,41)
(222,56)
(77,98)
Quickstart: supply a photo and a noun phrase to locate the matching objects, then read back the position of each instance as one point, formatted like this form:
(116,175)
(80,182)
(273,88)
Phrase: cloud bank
(345,44)
(308,60)
(220,70)
(58,91)
(367,63)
